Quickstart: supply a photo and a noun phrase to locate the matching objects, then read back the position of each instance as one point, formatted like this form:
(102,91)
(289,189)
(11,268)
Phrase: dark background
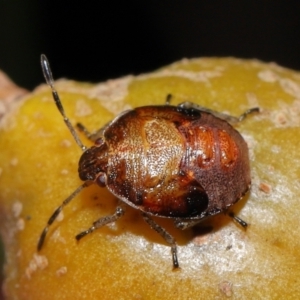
(97,40)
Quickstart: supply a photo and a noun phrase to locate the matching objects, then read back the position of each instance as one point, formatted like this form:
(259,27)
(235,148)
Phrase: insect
(181,162)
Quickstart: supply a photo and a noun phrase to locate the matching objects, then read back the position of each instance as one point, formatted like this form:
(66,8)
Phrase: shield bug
(181,162)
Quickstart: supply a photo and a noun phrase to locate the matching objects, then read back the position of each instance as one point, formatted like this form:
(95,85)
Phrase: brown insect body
(170,162)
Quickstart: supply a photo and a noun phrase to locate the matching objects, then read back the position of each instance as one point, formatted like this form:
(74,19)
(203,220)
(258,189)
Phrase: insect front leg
(168,99)
(56,213)
(166,236)
(230,119)
(92,136)
(102,221)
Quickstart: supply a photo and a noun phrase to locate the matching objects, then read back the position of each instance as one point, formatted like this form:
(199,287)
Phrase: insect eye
(99,142)
(101,180)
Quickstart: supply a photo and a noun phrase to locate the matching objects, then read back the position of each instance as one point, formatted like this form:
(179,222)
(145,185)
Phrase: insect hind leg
(238,220)
(230,119)
(165,235)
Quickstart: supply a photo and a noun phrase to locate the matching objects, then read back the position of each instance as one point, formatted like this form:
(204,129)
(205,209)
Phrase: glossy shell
(171,162)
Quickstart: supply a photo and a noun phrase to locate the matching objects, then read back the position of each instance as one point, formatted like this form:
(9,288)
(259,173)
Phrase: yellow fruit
(127,260)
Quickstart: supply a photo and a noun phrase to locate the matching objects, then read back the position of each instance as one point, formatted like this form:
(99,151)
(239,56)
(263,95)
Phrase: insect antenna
(49,80)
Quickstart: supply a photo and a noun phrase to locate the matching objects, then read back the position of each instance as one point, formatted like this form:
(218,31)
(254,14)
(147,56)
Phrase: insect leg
(102,221)
(248,112)
(94,136)
(167,237)
(183,224)
(56,213)
(91,136)
(237,219)
(83,129)
(168,99)
(225,117)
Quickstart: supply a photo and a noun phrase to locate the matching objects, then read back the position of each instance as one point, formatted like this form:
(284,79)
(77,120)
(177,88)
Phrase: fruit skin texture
(39,162)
